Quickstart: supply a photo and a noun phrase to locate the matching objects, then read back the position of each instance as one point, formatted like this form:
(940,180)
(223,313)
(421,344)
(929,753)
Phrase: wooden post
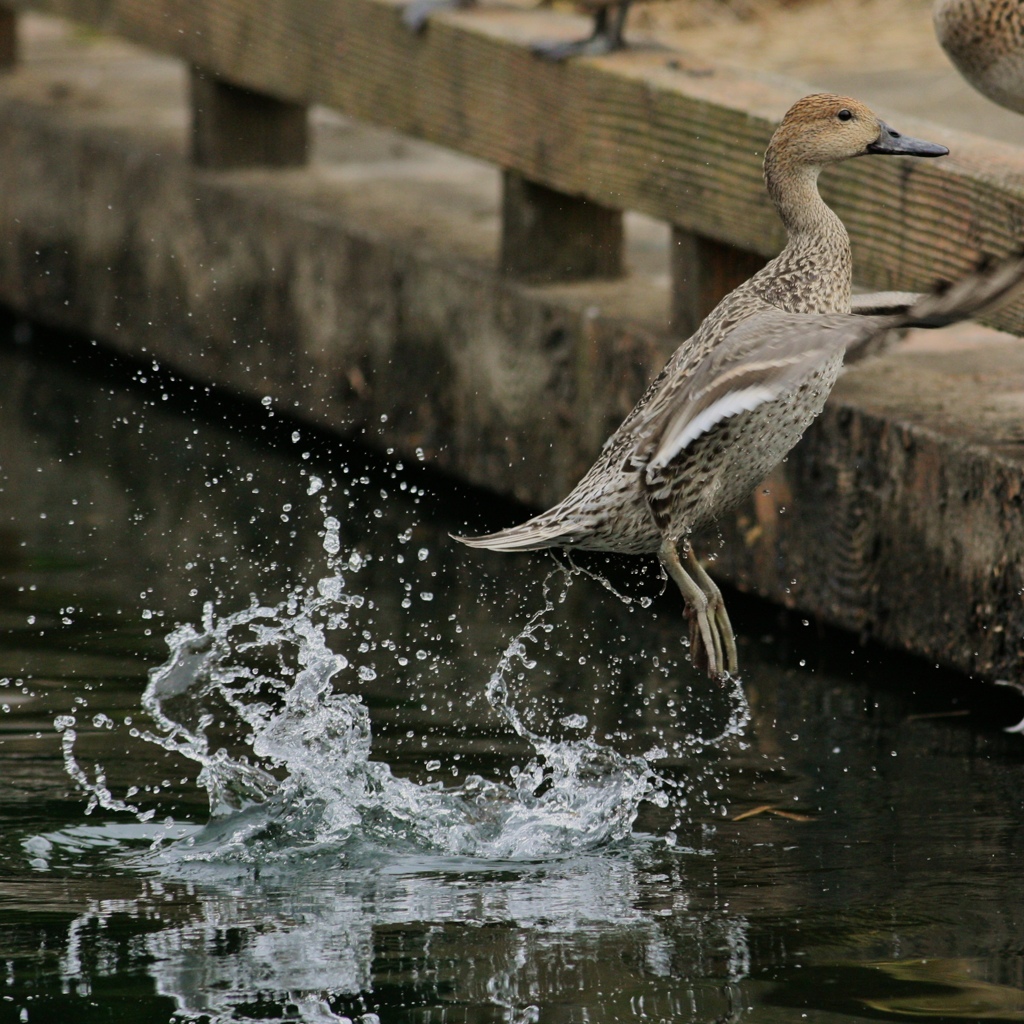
(233,127)
(549,236)
(8,38)
(703,272)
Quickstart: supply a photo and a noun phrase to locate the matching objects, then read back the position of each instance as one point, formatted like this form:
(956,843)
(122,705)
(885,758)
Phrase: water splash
(257,699)
(686,746)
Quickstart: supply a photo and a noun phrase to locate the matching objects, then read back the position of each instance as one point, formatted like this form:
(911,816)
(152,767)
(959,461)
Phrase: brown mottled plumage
(985,40)
(736,396)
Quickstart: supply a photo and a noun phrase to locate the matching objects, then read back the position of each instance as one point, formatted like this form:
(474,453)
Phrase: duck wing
(757,361)
(884,303)
(770,353)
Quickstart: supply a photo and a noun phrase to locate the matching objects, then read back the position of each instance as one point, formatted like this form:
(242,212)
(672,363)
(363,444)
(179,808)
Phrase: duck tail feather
(529,536)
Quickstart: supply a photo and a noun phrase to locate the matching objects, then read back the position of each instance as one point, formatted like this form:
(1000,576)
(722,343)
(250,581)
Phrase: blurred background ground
(884,52)
(793,36)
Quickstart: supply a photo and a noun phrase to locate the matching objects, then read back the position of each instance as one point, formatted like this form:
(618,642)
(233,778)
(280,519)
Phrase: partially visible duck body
(985,40)
(736,396)
(609,19)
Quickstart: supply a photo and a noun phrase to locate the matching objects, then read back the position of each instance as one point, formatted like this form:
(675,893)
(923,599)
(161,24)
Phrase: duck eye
(845,115)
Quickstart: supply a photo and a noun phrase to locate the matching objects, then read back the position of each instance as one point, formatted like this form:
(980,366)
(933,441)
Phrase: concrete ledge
(363,294)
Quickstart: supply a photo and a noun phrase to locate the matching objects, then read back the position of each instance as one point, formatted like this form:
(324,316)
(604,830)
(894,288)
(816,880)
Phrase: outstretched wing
(758,361)
(770,353)
(884,303)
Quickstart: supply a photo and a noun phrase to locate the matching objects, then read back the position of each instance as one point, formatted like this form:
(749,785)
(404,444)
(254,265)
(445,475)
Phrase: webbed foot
(592,46)
(416,14)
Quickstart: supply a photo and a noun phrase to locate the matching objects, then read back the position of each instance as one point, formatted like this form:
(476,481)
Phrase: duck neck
(813,272)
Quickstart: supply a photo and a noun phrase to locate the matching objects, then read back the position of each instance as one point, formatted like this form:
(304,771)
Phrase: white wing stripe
(730,404)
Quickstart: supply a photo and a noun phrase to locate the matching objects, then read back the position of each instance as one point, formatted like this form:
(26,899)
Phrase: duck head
(825,129)
(817,131)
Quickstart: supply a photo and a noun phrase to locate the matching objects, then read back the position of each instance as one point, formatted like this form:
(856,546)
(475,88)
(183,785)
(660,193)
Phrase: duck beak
(891,143)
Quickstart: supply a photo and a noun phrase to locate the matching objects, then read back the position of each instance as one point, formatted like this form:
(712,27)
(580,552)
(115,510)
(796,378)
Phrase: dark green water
(889,888)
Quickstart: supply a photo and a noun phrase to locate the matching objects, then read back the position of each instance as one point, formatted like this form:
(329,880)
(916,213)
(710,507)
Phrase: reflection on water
(338,767)
(468,937)
(936,989)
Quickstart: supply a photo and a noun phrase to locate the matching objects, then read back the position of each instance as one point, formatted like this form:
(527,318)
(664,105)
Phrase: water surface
(275,747)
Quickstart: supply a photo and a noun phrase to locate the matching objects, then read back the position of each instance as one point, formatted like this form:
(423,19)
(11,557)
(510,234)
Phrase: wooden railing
(650,129)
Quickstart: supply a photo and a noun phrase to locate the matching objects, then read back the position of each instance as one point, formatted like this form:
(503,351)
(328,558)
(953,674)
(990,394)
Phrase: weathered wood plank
(640,130)
(234,127)
(703,272)
(8,38)
(549,236)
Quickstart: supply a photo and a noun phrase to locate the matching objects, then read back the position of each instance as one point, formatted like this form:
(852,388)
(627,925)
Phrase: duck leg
(716,609)
(712,644)
(609,20)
